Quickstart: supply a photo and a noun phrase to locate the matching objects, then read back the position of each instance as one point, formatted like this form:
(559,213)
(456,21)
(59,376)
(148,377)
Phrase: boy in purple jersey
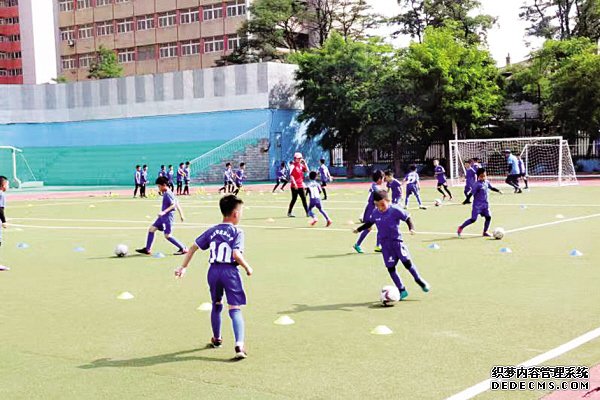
(169,176)
(281,176)
(187,178)
(4,183)
(412,187)
(313,191)
(227,179)
(143,181)
(239,177)
(161,171)
(165,220)
(394,186)
(387,218)
(180,174)
(226,244)
(480,203)
(440,175)
(325,177)
(137,178)
(470,178)
(377,177)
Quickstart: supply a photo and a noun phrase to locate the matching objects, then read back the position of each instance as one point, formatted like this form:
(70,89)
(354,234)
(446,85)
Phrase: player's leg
(323,185)
(525,181)
(276,185)
(439,189)
(468,195)
(135,190)
(488,220)
(390,260)
(472,220)
(236,298)
(302,195)
(216,294)
(404,257)
(418,196)
(408,193)
(324,213)
(293,201)
(157,225)
(181,249)
(447,190)
(285,182)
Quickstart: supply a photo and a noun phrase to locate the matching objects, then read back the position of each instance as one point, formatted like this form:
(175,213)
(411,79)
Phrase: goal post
(15,167)
(547,160)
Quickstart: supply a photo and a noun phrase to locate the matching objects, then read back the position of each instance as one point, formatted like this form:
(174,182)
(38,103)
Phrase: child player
(325,177)
(470,178)
(143,181)
(180,175)
(393,186)
(375,187)
(137,178)
(440,175)
(3,188)
(169,176)
(281,176)
(227,179)
(161,171)
(187,178)
(522,171)
(239,177)
(387,217)
(313,190)
(480,203)
(412,186)
(165,220)
(226,244)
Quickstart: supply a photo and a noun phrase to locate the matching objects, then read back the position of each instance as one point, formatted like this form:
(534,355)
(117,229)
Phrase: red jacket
(297,175)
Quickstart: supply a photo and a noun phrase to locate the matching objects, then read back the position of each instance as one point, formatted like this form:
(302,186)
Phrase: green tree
(60,79)
(337,84)
(106,65)
(562,19)
(417,15)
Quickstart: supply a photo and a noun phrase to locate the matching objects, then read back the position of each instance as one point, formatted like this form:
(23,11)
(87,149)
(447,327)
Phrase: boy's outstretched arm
(180,211)
(239,258)
(180,272)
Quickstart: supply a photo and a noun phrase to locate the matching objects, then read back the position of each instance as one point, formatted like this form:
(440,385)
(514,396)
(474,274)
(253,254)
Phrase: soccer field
(65,335)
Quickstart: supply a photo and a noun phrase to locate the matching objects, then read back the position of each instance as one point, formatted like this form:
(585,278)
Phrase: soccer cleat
(519,190)
(329,222)
(425,286)
(486,234)
(466,202)
(180,252)
(313,222)
(290,215)
(444,198)
(357,248)
(459,231)
(377,249)
(423,207)
(216,343)
(403,294)
(143,251)
(240,353)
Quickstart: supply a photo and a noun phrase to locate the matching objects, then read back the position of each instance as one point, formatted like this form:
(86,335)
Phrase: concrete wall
(237,87)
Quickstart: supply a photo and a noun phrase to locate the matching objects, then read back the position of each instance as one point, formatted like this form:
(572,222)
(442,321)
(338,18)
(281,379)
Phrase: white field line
(484,386)
(37,203)
(561,221)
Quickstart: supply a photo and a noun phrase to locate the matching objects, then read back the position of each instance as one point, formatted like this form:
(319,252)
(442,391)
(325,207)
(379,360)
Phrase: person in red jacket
(297,171)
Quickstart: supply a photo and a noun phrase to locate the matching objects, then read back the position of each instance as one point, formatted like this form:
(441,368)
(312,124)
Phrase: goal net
(546,160)
(15,167)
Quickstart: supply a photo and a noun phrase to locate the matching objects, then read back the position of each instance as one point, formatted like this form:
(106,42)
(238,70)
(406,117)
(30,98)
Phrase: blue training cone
(158,255)
(434,246)
(505,250)
(575,253)
(22,245)
(78,249)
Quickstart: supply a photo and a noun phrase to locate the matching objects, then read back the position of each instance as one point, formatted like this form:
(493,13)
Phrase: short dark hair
(180,164)
(389,172)
(3,179)
(228,164)
(162,166)
(162,180)
(312,175)
(187,163)
(145,166)
(380,195)
(291,162)
(468,161)
(322,160)
(242,164)
(377,175)
(480,171)
(413,167)
(137,166)
(283,164)
(170,166)
(229,203)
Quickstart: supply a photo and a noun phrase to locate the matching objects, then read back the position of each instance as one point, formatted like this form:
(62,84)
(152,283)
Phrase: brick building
(11,67)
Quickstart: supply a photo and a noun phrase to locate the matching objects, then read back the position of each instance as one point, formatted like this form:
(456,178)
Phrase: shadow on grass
(452,238)
(345,255)
(115,257)
(347,307)
(153,360)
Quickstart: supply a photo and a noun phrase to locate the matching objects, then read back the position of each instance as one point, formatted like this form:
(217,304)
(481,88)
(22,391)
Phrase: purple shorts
(442,182)
(368,211)
(164,224)
(393,252)
(314,203)
(410,189)
(226,279)
(483,211)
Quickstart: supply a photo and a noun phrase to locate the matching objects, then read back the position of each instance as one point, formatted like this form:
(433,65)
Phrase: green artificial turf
(65,335)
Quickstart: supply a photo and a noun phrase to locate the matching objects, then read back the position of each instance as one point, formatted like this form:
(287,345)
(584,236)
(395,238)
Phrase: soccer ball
(498,233)
(437,202)
(121,250)
(389,294)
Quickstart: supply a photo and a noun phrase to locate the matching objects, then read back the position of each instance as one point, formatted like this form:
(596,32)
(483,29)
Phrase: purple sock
(396,278)
(324,213)
(415,274)
(418,199)
(362,237)
(486,225)
(149,241)
(467,223)
(176,242)
(215,320)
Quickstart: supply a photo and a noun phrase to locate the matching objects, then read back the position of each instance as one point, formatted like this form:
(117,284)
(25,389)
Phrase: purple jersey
(470,177)
(480,194)
(162,172)
(314,190)
(440,174)
(240,176)
(188,174)
(396,187)
(144,177)
(521,166)
(370,205)
(222,240)
(170,176)
(228,176)
(138,177)
(281,173)
(324,173)
(412,181)
(168,199)
(388,224)
(180,174)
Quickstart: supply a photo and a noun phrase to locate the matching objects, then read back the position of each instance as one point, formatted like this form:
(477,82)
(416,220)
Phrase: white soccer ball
(121,250)
(437,202)
(498,233)
(389,294)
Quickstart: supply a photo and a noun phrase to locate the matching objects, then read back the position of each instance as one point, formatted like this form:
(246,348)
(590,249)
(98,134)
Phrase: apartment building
(11,66)
(149,36)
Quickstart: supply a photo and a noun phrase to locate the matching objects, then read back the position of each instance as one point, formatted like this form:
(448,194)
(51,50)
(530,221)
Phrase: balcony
(10,46)
(11,80)
(9,12)
(10,29)
(11,64)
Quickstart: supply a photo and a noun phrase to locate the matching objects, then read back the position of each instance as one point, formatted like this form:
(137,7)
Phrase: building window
(233,42)
(100,3)
(81,4)
(146,22)
(167,19)
(146,53)
(65,5)
(3,72)
(67,33)
(213,12)
(9,21)
(15,72)
(69,62)
(9,3)
(190,48)
(85,31)
(104,28)
(3,56)
(236,8)
(168,50)
(121,1)
(85,60)
(213,45)
(189,16)
(125,25)
(126,56)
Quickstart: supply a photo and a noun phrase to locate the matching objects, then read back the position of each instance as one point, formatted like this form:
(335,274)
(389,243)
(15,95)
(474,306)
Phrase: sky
(507,36)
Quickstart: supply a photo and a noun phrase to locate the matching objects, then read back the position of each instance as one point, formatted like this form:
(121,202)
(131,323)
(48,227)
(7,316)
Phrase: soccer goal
(546,160)
(15,167)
